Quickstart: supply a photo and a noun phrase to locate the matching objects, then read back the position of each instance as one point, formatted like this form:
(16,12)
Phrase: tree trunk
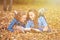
(10,5)
(4,5)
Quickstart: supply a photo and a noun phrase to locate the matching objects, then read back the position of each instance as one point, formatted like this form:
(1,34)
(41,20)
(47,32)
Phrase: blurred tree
(4,5)
(9,6)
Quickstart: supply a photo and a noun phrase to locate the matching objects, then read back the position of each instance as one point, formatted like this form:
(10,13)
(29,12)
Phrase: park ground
(53,19)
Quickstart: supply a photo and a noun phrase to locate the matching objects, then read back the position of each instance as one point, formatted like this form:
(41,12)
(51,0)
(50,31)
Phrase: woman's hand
(45,29)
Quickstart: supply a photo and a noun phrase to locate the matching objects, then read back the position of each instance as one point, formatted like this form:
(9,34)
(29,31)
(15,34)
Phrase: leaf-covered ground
(52,16)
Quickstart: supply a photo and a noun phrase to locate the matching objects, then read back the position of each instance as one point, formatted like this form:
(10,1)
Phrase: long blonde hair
(36,17)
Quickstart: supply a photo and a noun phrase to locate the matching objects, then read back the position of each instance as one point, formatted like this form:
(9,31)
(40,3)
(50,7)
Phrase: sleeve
(29,24)
(43,21)
(12,24)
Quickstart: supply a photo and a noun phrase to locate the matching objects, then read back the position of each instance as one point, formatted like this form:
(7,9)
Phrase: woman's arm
(10,27)
(43,23)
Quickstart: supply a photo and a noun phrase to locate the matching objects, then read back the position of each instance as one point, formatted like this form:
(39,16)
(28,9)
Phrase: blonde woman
(43,26)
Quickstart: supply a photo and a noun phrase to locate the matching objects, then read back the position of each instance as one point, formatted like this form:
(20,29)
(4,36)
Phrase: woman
(43,26)
(19,21)
(32,21)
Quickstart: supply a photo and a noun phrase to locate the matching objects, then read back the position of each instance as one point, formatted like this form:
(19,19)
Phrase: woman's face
(23,18)
(31,15)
